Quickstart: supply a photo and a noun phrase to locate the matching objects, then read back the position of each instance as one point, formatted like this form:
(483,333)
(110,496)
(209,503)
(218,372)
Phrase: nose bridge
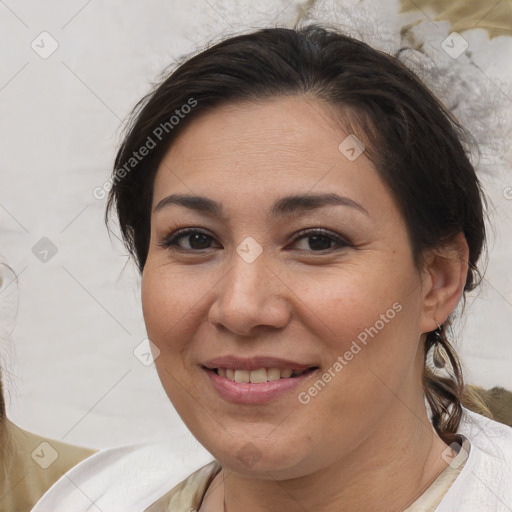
(248,275)
(249,294)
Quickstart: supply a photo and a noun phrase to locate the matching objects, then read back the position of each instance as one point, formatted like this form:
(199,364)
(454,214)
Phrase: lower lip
(254,393)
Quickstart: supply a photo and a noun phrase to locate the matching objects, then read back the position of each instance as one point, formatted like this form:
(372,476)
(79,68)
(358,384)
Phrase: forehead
(287,144)
(294,122)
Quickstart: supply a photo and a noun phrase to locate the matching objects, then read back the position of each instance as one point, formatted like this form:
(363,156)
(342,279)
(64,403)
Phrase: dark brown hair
(415,143)
(2,402)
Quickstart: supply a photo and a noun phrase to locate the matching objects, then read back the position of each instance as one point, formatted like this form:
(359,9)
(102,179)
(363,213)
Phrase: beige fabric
(431,498)
(30,464)
(498,401)
(494,17)
(188,495)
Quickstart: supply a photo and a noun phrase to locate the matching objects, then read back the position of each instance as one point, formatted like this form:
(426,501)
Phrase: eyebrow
(283,206)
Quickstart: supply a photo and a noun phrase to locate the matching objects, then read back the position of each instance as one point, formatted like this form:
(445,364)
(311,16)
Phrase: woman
(30,464)
(305,220)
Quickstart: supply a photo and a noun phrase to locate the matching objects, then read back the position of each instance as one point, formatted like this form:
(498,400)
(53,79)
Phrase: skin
(367,432)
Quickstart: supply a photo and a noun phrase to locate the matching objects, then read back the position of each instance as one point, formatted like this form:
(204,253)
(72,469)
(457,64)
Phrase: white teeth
(273,374)
(242,376)
(259,375)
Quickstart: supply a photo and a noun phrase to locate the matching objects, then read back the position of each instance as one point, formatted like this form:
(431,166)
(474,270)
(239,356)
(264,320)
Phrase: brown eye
(195,239)
(321,240)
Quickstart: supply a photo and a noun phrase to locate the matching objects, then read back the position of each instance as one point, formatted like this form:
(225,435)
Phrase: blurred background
(73,346)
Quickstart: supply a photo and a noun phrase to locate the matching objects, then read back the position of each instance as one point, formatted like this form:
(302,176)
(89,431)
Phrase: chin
(260,457)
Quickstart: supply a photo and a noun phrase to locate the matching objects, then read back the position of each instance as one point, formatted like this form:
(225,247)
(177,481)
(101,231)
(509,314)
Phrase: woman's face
(262,287)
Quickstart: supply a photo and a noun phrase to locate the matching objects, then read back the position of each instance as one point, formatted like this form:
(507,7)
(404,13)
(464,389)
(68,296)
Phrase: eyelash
(170,240)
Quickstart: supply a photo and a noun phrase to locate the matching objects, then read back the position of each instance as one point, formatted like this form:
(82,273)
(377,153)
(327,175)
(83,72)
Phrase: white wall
(69,325)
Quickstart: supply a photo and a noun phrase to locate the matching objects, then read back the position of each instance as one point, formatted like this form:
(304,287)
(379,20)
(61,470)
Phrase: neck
(386,472)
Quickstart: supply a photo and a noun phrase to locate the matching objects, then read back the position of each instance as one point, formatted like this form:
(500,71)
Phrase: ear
(445,272)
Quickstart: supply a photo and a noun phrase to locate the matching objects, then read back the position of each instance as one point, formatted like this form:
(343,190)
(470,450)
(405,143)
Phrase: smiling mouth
(260,375)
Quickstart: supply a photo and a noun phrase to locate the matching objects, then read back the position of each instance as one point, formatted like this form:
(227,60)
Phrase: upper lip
(254,363)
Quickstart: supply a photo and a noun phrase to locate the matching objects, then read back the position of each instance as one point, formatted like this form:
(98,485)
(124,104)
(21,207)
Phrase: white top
(485,482)
(132,478)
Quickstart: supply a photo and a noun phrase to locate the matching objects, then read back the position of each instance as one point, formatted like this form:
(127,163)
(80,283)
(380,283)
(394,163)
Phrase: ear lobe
(447,269)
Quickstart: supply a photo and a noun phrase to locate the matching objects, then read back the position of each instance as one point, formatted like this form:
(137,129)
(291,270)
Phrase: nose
(251,297)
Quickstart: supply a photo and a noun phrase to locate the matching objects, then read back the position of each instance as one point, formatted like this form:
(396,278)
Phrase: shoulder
(484,484)
(124,479)
(483,428)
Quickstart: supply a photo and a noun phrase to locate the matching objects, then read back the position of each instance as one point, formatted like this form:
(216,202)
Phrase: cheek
(366,321)
(168,300)
(351,298)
